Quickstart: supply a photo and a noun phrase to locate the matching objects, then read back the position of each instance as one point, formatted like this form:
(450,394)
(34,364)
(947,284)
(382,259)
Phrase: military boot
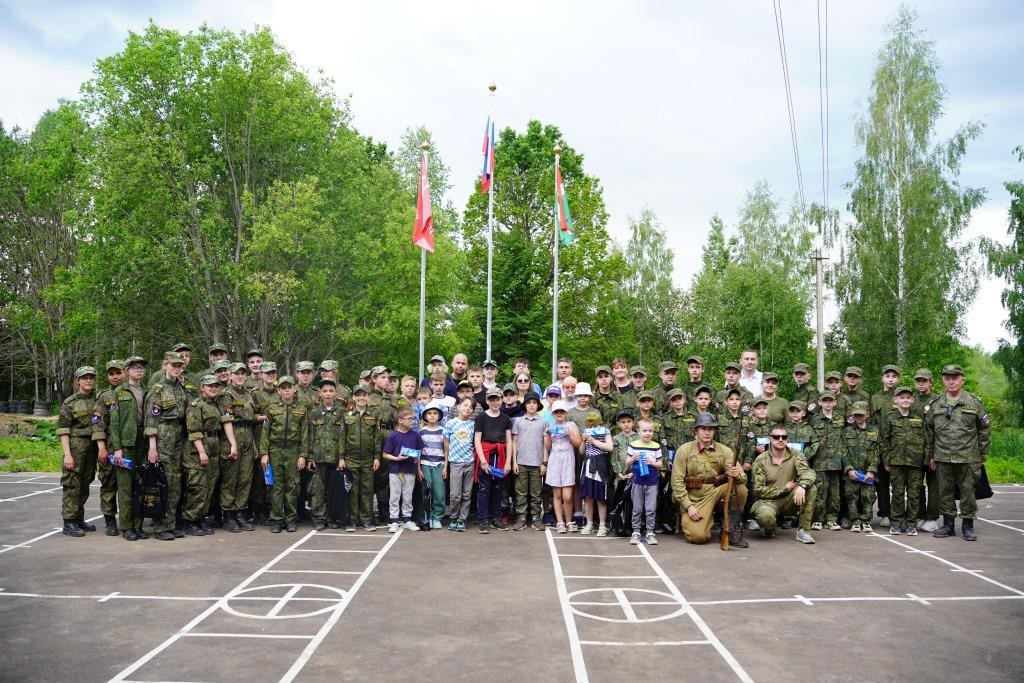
(84,525)
(946,529)
(230,523)
(71,528)
(243,523)
(110,525)
(967,529)
(736,536)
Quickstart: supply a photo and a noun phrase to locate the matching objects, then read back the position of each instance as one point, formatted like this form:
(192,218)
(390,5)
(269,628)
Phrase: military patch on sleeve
(111,406)
(984,419)
(96,417)
(227,412)
(750,435)
(156,410)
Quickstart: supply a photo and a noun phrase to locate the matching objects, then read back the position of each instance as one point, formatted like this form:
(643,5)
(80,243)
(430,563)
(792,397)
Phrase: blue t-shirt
(433,446)
(400,443)
(460,439)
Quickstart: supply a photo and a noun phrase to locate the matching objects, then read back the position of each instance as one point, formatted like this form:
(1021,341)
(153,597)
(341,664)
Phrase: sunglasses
(522,381)
(780,436)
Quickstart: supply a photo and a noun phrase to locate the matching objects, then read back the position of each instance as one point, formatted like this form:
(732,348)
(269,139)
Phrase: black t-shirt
(493,428)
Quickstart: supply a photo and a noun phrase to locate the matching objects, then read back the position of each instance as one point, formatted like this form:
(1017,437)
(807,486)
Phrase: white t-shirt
(752,383)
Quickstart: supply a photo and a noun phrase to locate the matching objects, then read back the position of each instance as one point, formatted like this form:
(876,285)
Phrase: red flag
(423,229)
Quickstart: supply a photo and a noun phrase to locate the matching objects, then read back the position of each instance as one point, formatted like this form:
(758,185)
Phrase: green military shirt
(286,427)
(125,422)
(660,394)
(203,422)
(809,395)
(326,432)
(362,437)
(770,479)
(920,406)
(690,388)
(881,405)
(678,429)
(755,430)
(830,453)
(804,434)
(105,403)
(847,398)
(903,439)
(957,430)
(862,448)
(620,452)
(165,417)
(608,404)
(746,398)
(732,431)
(189,381)
(76,415)
(383,409)
(243,407)
(778,409)
(706,463)
(308,395)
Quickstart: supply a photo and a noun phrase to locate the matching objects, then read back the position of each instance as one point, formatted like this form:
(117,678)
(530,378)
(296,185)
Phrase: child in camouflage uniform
(828,463)
(903,449)
(861,444)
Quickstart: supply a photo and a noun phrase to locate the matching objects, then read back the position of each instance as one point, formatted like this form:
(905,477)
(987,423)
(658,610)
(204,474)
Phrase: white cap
(436,405)
(583,389)
(560,405)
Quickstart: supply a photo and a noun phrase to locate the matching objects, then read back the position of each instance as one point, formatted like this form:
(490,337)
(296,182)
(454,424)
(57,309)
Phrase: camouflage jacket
(804,434)
(847,398)
(677,429)
(746,398)
(126,419)
(608,404)
(881,405)
(326,432)
(861,448)
(76,415)
(286,427)
(732,431)
(903,439)
(203,422)
(755,430)
(830,452)
(362,438)
(957,430)
(105,403)
(165,411)
(809,395)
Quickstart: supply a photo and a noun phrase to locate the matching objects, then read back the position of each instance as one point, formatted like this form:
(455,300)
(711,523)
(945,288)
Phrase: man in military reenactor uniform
(805,391)
(124,439)
(207,424)
(700,480)
(284,445)
(165,430)
(778,407)
(928,497)
(383,408)
(827,463)
(607,399)
(105,403)
(667,372)
(259,493)
(326,432)
(361,450)
(957,429)
(695,370)
(783,485)
(732,381)
(236,470)
(881,405)
(74,428)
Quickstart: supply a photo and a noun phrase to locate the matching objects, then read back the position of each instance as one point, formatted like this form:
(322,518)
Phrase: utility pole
(820,297)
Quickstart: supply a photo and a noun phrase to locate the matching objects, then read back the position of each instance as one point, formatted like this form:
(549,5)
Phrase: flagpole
(490,234)
(554,322)
(423,282)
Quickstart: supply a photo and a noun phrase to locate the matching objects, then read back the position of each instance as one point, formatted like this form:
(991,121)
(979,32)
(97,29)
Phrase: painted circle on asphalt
(662,605)
(268,602)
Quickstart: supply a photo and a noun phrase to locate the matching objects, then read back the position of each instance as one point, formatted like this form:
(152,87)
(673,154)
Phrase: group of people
(241,446)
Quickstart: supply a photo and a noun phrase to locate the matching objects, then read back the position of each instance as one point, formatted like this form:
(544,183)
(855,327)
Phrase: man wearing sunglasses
(783,485)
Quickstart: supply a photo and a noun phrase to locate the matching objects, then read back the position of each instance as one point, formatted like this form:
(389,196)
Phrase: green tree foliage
(1007,261)
(592,325)
(903,280)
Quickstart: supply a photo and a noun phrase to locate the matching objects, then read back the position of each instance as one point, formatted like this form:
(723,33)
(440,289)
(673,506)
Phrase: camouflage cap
(733,365)
(903,390)
(115,365)
(769,377)
(222,365)
(704,387)
(437,358)
(379,370)
(667,365)
(360,389)
(365,374)
(855,371)
(304,366)
(85,370)
(132,360)
(890,368)
(217,347)
(923,373)
(235,367)
(735,391)
(705,420)
(644,395)
(509,386)
(797,405)
(638,370)
(834,375)
(268,366)
(329,364)
(694,359)
(287,379)
(181,346)
(494,392)
(759,400)
(675,393)
(208,380)
(253,352)
(826,396)
(802,367)
(952,369)
(602,368)
(859,408)
(174,358)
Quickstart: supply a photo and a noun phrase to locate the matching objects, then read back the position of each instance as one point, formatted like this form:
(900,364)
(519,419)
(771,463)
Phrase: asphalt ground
(510,606)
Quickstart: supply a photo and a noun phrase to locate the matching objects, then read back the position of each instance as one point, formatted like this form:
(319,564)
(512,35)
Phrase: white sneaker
(635,538)
(884,521)
(816,526)
(855,528)
(930,525)
(410,526)
(435,524)
(803,536)
(833,526)
(651,539)
(587,529)
(393,528)
(602,531)
(752,525)
(865,527)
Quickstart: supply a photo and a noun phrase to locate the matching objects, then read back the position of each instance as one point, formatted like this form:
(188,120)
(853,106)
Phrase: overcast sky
(676,106)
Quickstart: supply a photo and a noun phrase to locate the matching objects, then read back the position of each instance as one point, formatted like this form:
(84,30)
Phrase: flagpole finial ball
(558,149)
(492,86)
(425,146)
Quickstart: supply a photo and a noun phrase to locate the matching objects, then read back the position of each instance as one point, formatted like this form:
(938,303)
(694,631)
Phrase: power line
(780,33)
(821,113)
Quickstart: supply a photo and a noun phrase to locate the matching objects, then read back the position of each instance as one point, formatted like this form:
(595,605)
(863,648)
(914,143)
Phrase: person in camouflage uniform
(638,377)
(74,429)
(329,370)
(361,450)
(607,398)
(828,463)
(188,380)
(783,486)
(805,391)
(667,372)
(677,423)
(778,407)
(732,381)
(733,425)
(326,433)
(208,421)
(165,431)
(124,439)
(756,442)
(880,405)
(695,371)
(928,496)
(284,445)
(305,389)
(800,431)
(861,446)
(236,469)
(222,371)
(903,443)
(834,384)
(259,492)
(105,403)
(851,392)
(957,431)
(254,361)
(383,408)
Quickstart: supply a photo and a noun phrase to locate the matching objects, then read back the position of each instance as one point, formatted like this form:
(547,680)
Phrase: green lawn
(1005,464)
(20,454)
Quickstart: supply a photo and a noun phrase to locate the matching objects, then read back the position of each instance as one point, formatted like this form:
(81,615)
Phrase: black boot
(736,536)
(85,526)
(110,525)
(967,529)
(230,524)
(71,528)
(946,529)
(243,523)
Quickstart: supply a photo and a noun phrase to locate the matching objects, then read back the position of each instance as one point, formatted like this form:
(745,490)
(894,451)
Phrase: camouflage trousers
(905,484)
(236,475)
(169,452)
(108,488)
(860,499)
(199,483)
(828,495)
(76,481)
(284,494)
(962,476)
(361,497)
(766,511)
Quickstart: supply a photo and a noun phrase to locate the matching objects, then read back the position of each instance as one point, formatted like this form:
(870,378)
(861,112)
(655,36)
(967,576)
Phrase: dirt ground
(440,605)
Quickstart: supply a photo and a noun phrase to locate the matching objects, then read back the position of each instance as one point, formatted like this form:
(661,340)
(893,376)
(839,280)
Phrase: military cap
(834,375)
(890,368)
(287,379)
(675,393)
(734,390)
(769,377)
(304,366)
(181,346)
(602,368)
(360,389)
(379,370)
(923,373)
(235,367)
(531,396)
(903,390)
(174,358)
(268,366)
(132,360)
(859,408)
(114,365)
(802,367)
(759,400)
(624,412)
(327,380)
(646,394)
(509,386)
(638,370)
(365,374)
(705,420)
(855,371)
(437,359)
(667,365)
(221,365)
(695,359)
(85,370)
(489,361)
(797,405)
(704,387)
(217,347)
(952,369)
(826,396)
(253,352)
(494,392)
(208,380)
(329,364)
(464,383)
(733,365)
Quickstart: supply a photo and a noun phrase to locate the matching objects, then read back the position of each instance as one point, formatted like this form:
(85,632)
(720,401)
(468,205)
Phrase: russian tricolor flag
(487,172)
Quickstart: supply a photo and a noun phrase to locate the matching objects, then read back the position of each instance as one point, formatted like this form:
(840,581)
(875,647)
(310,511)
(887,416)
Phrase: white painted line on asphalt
(701,624)
(627,608)
(605,557)
(311,550)
(1008,521)
(604,576)
(655,643)
(283,600)
(183,598)
(803,600)
(244,635)
(32,480)
(920,600)
(953,565)
(28,543)
(29,495)
(108,597)
(872,598)
(348,535)
(999,523)
(578,664)
(309,571)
